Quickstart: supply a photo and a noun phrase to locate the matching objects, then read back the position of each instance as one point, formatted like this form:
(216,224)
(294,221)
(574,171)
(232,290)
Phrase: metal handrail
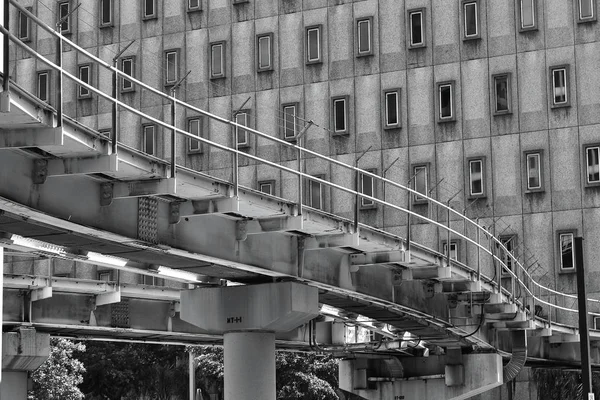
(430,200)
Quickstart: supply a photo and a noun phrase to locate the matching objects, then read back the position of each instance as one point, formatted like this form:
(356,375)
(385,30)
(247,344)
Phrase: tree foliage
(58,378)
(300,376)
(126,371)
(557,384)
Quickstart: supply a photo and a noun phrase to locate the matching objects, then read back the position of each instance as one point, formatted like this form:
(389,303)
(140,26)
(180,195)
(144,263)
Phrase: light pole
(173,122)
(115,93)
(300,142)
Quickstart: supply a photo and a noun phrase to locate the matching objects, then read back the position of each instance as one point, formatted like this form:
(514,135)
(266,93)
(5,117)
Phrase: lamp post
(115,93)
(173,122)
(357,189)
(236,157)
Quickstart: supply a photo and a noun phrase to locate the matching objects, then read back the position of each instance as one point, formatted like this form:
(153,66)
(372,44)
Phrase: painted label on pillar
(234,320)
(399,397)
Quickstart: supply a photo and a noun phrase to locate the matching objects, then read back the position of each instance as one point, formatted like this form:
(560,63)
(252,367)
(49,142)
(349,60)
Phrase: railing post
(6,52)
(584,335)
(448,236)
(300,194)
(115,108)
(173,136)
(356,197)
(59,86)
(408,220)
(235,161)
(478,251)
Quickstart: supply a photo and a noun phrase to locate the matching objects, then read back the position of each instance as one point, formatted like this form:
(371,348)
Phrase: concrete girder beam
(429,378)
(156,187)
(276,307)
(73,166)
(365,259)
(24,350)
(31,137)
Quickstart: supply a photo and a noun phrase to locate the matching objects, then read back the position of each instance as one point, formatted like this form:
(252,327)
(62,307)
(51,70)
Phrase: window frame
(559,253)
(452,117)
(284,127)
(48,74)
(508,77)
(367,204)
(223,45)
(477,35)
(319,30)
(567,102)
(312,182)
(539,154)
(145,138)
(24,17)
(482,160)
(149,16)
(190,141)
(271,41)
(456,244)
(102,23)
(398,124)
(271,183)
(580,18)
(88,95)
(534,8)
(246,142)
(68,21)
(166,65)
(508,241)
(369,21)
(586,148)
(346,100)
(411,43)
(416,199)
(191,8)
(122,62)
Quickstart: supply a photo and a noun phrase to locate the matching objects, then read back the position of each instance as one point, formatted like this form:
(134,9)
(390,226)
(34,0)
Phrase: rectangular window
(560,86)
(392,109)
(527,10)
(265,52)
(340,115)
(453,249)
(267,187)
(242,134)
(149,139)
(471,20)
(534,171)
(24,26)
(171,67)
(364,37)
(43,85)
(85,72)
(416,22)
(509,243)
(289,122)
(367,187)
(149,9)
(587,10)
(106,13)
(313,44)
(315,194)
(476,178)
(195,128)
(194,5)
(217,60)
(420,183)
(567,255)
(446,101)
(593,170)
(64,8)
(502,94)
(127,66)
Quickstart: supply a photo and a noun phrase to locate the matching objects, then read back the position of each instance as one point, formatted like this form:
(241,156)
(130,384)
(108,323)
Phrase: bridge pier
(248,317)
(23,351)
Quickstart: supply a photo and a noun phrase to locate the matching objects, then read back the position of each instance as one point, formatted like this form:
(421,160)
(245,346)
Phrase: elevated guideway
(69,192)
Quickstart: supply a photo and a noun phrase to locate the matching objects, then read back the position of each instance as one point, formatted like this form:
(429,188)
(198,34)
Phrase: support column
(249,365)
(23,351)
(248,317)
(1,298)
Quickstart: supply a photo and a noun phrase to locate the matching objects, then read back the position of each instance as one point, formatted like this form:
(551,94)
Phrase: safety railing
(522,289)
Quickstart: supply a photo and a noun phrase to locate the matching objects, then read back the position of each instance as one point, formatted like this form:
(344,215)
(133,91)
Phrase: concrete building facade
(490,105)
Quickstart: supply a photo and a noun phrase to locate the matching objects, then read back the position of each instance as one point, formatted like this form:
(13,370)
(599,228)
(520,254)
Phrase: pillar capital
(24,349)
(272,307)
